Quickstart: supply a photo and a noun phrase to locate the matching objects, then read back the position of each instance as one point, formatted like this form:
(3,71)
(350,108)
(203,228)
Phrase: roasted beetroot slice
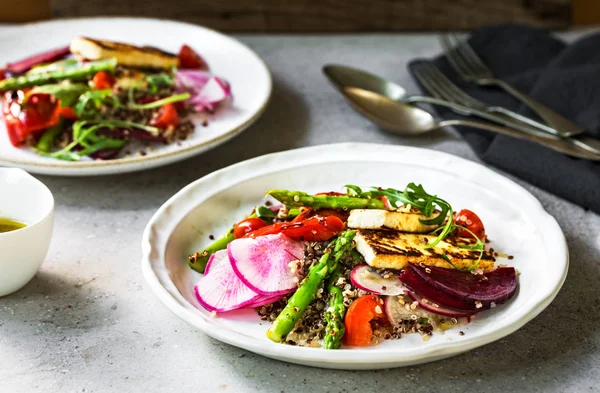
(105,154)
(46,57)
(417,284)
(438,309)
(496,286)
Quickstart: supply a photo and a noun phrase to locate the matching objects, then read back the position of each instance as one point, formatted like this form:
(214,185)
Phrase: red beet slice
(413,280)
(496,286)
(46,57)
(438,309)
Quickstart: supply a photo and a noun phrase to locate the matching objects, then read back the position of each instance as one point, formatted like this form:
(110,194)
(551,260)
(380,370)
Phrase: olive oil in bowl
(8,225)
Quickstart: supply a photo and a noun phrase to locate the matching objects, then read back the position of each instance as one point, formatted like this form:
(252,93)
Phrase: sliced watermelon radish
(417,284)
(262,263)
(369,279)
(210,261)
(438,309)
(222,290)
(263,300)
(496,286)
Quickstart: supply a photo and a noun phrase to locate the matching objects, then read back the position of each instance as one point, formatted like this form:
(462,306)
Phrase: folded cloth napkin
(564,78)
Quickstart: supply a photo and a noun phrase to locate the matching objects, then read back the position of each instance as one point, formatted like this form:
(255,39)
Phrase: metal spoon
(405,119)
(342,77)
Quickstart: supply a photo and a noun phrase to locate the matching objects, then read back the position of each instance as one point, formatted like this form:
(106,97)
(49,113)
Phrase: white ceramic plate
(514,220)
(247,73)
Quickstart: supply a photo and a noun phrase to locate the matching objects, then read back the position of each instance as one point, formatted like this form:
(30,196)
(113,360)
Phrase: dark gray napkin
(564,78)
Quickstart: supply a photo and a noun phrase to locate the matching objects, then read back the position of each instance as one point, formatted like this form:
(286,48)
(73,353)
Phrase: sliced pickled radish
(368,279)
(222,290)
(262,263)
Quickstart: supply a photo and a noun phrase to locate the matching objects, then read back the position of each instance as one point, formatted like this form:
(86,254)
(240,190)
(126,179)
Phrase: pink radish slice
(222,290)
(368,279)
(263,301)
(210,261)
(262,263)
(45,57)
(438,309)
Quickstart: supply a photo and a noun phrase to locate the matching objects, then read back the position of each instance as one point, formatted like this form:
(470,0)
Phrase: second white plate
(246,72)
(514,220)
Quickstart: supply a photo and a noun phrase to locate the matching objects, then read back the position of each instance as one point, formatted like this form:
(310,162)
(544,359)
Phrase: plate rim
(343,359)
(138,163)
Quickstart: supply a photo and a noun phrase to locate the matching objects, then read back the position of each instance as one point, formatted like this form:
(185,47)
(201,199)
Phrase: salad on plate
(354,268)
(99,99)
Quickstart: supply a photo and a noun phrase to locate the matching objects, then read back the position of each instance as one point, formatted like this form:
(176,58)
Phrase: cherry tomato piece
(466,218)
(331,193)
(103,80)
(246,226)
(314,229)
(167,117)
(2,75)
(189,58)
(358,320)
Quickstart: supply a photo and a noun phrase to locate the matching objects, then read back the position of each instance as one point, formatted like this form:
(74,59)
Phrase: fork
(470,67)
(442,88)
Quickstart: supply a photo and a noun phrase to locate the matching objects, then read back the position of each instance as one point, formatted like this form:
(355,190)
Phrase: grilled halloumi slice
(386,249)
(126,55)
(406,221)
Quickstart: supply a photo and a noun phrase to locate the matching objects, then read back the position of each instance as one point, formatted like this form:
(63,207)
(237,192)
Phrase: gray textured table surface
(89,323)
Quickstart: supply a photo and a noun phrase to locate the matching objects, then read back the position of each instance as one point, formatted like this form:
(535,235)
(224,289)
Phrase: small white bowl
(25,199)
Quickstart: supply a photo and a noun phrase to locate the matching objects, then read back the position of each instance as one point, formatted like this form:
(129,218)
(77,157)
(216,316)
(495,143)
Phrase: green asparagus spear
(198,260)
(49,136)
(83,71)
(334,315)
(307,291)
(297,199)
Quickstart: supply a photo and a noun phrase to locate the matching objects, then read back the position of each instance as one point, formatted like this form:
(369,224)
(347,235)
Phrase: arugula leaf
(158,103)
(353,191)
(416,196)
(89,103)
(84,134)
(67,93)
(156,81)
(264,212)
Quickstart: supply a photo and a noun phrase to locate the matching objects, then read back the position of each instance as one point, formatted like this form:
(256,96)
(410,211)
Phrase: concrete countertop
(89,323)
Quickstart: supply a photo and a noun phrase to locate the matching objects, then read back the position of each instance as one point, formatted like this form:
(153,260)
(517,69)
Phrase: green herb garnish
(158,103)
(90,102)
(85,135)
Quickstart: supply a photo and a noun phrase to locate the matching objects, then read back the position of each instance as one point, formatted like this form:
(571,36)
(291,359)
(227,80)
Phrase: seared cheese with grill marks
(126,55)
(386,249)
(406,220)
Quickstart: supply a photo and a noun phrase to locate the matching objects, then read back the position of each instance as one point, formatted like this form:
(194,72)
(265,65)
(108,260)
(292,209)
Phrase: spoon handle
(582,143)
(553,143)
(468,111)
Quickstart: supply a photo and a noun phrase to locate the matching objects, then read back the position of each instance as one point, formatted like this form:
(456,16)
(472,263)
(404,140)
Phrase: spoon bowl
(391,115)
(343,76)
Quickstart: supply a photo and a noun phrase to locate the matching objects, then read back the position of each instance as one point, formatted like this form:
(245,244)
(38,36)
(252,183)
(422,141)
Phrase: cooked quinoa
(310,329)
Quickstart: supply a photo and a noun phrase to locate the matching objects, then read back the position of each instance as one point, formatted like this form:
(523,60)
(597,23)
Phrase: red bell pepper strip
(316,228)
(22,120)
